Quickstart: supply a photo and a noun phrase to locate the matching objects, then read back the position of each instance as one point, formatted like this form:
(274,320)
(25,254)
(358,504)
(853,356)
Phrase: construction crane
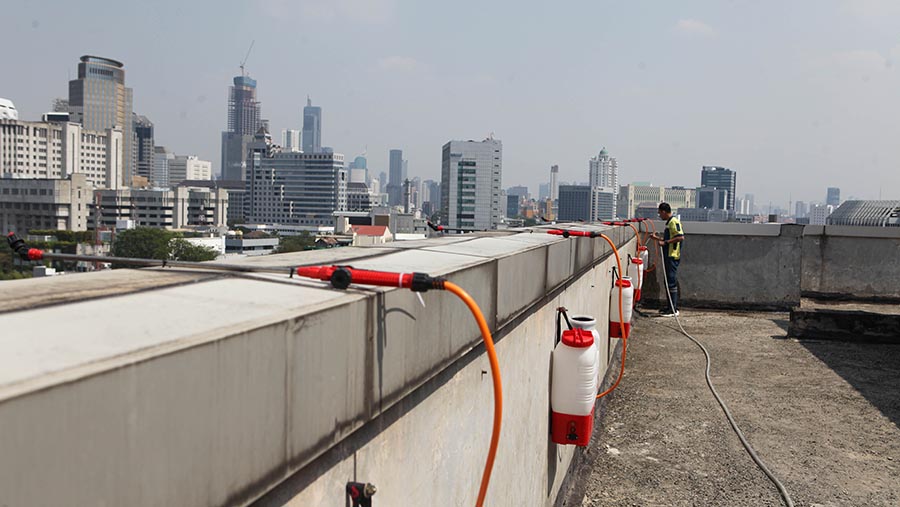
(247,56)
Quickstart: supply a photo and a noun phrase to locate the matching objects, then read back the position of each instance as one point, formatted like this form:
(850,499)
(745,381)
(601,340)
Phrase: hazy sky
(794,95)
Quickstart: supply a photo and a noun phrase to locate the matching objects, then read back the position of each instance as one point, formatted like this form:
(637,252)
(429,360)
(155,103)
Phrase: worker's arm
(659,239)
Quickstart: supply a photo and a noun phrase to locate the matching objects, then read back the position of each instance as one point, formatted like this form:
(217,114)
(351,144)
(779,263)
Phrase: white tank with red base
(636,273)
(644,254)
(620,328)
(573,388)
(589,323)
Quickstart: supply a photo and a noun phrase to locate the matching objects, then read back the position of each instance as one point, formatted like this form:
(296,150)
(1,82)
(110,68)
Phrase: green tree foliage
(144,243)
(184,250)
(304,241)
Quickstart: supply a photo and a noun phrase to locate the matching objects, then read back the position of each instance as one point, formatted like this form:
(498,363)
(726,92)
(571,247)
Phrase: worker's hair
(664,206)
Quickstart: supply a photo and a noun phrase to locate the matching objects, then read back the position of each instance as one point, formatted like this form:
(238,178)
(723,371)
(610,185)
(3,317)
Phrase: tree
(184,250)
(303,241)
(144,243)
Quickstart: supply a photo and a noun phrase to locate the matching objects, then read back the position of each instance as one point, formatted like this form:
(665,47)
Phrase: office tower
(173,208)
(396,177)
(60,105)
(143,145)
(833,197)
(159,176)
(543,191)
(819,213)
(554,182)
(603,204)
(290,140)
(188,167)
(519,190)
(512,205)
(471,173)
(295,188)
(99,100)
(800,209)
(604,171)
(244,121)
(722,178)
(312,128)
(55,203)
(575,203)
(712,198)
(8,110)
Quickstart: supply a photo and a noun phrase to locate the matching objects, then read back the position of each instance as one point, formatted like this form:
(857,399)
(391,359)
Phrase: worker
(671,244)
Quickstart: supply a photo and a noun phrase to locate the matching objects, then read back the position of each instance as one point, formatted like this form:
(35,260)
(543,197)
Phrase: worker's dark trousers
(672,277)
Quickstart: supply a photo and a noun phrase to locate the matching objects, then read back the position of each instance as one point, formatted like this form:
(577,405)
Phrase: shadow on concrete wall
(872,369)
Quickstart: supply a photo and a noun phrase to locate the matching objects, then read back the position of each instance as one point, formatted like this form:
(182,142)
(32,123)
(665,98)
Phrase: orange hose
(621,316)
(498,388)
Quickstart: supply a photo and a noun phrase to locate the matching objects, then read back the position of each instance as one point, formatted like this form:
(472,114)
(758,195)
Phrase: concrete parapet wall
(214,390)
(769,266)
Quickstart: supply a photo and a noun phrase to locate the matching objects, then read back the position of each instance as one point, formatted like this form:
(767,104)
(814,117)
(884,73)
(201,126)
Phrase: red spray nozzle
(568,233)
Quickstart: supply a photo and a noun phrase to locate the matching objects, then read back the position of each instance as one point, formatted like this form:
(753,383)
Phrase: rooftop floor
(823,415)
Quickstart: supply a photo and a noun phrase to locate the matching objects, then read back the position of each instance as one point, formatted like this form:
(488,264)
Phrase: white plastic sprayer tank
(644,254)
(617,324)
(636,273)
(589,324)
(574,388)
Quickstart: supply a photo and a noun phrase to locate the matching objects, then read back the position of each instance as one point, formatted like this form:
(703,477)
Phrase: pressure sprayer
(340,277)
(567,233)
(574,385)
(636,273)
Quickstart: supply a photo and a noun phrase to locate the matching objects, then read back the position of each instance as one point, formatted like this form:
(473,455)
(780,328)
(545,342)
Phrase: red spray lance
(340,277)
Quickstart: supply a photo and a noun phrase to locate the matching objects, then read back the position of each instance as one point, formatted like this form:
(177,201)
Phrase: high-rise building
(471,173)
(159,176)
(744,205)
(712,198)
(633,196)
(722,178)
(244,120)
(800,209)
(512,205)
(519,190)
(290,140)
(543,191)
(833,197)
(575,203)
(99,100)
(312,128)
(8,110)
(295,188)
(143,146)
(603,204)
(604,171)
(554,182)
(819,213)
(58,149)
(188,167)
(396,176)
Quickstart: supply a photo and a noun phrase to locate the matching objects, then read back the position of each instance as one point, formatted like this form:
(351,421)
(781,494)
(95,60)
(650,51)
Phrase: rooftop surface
(823,415)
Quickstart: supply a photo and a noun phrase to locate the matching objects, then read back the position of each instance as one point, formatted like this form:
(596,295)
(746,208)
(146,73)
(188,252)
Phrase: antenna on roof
(247,56)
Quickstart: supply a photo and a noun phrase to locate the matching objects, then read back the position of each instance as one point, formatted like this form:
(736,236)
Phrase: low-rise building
(37,203)
(368,235)
(171,209)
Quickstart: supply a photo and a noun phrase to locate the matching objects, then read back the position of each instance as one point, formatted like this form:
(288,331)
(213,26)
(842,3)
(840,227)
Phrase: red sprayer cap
(578,338)
(642,248)
(623,283)
(637,260)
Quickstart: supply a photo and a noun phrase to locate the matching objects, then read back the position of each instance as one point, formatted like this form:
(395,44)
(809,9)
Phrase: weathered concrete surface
(823,415)
(862,262)
(846,321)
(211,393)
(734,266)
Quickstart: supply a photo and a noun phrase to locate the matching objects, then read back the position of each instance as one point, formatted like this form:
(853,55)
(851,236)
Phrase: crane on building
(244,61)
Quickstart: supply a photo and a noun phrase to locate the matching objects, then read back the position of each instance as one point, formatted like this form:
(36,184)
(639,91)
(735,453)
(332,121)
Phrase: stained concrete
(846,321)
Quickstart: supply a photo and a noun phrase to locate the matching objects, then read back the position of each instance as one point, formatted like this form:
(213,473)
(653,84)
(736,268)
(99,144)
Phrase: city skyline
(685,93)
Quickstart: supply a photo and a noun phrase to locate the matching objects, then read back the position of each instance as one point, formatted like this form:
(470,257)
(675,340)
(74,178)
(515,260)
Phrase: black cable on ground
(756,459)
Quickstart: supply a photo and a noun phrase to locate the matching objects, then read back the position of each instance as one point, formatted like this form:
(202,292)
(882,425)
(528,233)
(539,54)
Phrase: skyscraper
(143,146)
(722,178)
(99,100)
(833,197)
(396,175)
(575,202)
(244,120)
(312,128)
(290,140)
(554,182)
(604,171)
(470,184)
